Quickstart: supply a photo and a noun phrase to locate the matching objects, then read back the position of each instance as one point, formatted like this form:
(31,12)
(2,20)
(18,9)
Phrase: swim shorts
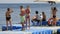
(22,18)
(8,18)
(54,16)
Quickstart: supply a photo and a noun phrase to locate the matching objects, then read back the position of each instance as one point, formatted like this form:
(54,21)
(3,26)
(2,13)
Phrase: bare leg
(22,26)
(52,23)
(29,23)
(26,23)
(10,24)
(7,24)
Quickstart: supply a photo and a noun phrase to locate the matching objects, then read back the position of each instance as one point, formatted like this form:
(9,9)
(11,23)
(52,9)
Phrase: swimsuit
(22,18)
(27,13)
(27,16)
(53,15)
(8,18)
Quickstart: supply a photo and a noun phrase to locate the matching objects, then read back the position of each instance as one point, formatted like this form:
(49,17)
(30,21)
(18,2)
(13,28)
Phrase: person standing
(8,17)
(54,10)
(22,16)
(28,10)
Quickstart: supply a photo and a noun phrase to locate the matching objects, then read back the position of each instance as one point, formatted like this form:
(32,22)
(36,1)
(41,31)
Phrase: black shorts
(54,16)
(8,18)
(43,19)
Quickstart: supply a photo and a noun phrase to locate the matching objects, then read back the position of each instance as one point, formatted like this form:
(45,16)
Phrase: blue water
(15,15)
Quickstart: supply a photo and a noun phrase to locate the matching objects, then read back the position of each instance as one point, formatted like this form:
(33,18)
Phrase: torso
(22,12)
(38,17)
(44,18)
(27,13)
(8,14)
(54,12)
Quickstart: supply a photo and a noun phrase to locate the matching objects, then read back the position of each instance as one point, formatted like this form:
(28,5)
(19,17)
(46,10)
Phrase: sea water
(34,7)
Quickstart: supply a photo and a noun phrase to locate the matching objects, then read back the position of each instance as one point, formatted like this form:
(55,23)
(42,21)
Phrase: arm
(11,10)
(34,17)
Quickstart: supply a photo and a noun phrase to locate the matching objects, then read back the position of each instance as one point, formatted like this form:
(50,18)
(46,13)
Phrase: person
(28,15)
(44,16)
(36,17)
(52,21)
(22,16)
(40,18)
(54,10)
(8,17)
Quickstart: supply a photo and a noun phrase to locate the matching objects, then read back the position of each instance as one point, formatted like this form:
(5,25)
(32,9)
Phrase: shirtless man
(8,17)
(54,10)
(22,15)
(44,16)
(28,15)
